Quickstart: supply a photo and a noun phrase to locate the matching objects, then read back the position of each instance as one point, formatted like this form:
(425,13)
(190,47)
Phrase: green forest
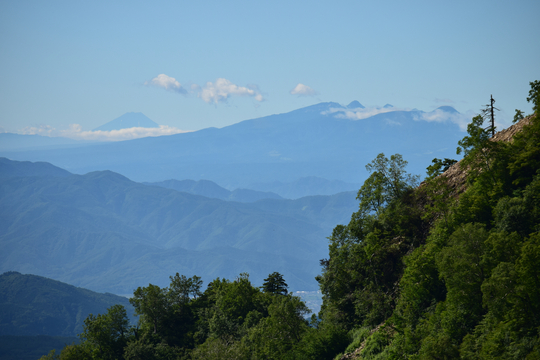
(445,269)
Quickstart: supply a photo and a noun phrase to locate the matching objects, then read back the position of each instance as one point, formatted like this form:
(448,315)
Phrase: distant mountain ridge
(211,189)
(306,186)
(19,142)
(10,168)
(317,141)
(104,232)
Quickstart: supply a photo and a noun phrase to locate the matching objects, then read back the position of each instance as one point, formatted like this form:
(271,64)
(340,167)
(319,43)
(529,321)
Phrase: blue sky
(192,65)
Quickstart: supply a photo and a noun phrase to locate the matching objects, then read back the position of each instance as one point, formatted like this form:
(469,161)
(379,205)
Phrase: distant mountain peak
(388,106)
(448,109)
(128,120)
(355,105)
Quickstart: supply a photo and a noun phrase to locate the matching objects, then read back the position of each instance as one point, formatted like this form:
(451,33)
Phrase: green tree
(182,289)
(388,182)
(50,356)
(534,95)
(359,279)
(151,303)
(524,164)
(107,334)
(476,146)
(439,166)
(276,335)
(275,284)
(518,116)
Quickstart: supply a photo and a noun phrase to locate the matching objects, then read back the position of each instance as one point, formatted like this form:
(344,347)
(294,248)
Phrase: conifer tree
(275,284)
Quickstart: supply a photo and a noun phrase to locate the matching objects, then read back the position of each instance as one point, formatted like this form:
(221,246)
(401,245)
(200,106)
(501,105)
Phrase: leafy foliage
(467,289)
(439,166)
(387,183)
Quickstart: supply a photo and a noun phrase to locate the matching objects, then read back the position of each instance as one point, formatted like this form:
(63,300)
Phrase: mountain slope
(34,305)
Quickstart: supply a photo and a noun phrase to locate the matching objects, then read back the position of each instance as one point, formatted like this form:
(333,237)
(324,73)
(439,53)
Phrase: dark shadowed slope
(35,305)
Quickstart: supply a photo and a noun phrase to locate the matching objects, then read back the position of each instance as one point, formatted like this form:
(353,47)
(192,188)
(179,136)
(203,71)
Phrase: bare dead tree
(489,112)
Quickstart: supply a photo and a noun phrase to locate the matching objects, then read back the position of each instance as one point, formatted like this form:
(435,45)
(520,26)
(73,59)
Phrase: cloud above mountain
(360,113)
(303,90)
(443,114)
(222,89)
(166,82)
(75,132)
(439,115)
(215,92)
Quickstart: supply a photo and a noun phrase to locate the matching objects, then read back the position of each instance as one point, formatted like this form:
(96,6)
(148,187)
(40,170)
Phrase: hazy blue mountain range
(128,120)
(212,190)
(311,141)
(35,305)
(105,232)
(17,142)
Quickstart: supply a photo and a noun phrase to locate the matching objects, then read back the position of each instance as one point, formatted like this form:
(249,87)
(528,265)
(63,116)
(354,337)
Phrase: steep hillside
(450,268)
(456,175)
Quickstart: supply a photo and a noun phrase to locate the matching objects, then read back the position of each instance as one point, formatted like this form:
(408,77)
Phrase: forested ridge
(448,269)
(32,305)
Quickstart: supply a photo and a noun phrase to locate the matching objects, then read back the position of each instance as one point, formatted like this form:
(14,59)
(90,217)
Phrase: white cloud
(222,89)
(166,82)
(75,132)
(442,116)
(303,90)
(360,113)
(437,115)
(44,130)
(212,92)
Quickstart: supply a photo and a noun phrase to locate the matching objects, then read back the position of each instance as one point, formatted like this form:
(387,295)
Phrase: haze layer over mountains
(104,232)
(326,140)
